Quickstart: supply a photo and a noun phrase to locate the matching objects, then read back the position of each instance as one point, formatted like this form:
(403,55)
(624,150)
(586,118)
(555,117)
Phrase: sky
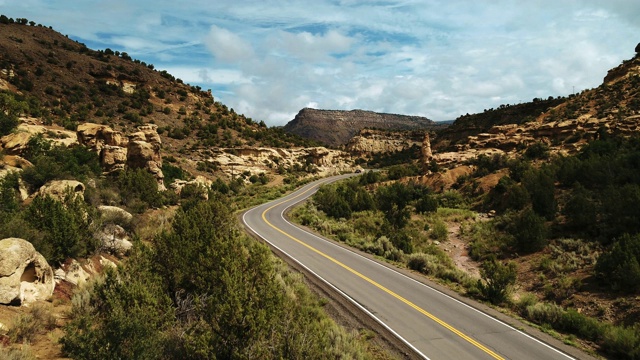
(436,58)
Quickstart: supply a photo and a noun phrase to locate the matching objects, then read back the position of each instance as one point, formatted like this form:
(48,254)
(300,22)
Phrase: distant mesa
(337,127)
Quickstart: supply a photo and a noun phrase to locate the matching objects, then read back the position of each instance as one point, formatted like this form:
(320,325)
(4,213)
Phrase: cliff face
(368,142)
(337,127)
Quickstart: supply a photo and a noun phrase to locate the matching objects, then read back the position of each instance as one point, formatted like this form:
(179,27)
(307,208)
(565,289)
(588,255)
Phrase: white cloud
(268,59)
(227,46)
(310,47)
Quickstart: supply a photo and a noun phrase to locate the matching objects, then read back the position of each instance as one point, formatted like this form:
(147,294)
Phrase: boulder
(113,158)
(25,275)
(57,189)
(96,136)
(115,212)
(15,161)
(76,274)
(15,143)
(114,239)
(200,181)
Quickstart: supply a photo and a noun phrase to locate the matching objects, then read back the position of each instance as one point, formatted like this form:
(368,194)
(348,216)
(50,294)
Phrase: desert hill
(337,127)
(63,84)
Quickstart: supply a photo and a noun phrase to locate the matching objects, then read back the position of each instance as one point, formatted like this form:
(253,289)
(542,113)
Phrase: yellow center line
(374,283)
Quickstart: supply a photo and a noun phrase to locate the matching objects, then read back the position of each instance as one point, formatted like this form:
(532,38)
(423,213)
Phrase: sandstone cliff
(368,142)
(336,127)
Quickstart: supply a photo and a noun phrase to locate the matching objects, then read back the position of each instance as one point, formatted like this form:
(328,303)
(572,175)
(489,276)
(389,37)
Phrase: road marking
(379,286)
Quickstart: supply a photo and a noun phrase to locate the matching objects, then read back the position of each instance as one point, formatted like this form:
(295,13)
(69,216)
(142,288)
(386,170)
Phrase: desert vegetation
(575,215)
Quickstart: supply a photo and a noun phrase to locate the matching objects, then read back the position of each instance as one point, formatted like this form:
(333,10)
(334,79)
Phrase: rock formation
(369,142)
(58,189)
(425,152)
(143,151)
(201,181)
(16,142)
(114,239)
(139,150)
(25,275)
(257,160)
(96,136)
(336,127)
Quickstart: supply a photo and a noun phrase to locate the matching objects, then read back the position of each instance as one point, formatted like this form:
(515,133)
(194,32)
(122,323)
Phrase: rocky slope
(337,127)
(611,108)
(129,112)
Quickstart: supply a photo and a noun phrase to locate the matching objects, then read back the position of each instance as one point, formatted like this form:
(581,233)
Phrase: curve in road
(433,324)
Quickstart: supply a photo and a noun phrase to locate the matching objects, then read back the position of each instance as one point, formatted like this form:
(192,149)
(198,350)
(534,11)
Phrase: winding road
(435,325)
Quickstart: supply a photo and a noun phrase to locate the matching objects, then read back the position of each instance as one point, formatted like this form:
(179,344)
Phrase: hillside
(337,127)
(65,84)
(104,161)
(564,127)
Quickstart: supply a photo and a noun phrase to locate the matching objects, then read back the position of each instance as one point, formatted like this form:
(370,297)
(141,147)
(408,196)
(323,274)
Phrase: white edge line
(418,282)
(336,289)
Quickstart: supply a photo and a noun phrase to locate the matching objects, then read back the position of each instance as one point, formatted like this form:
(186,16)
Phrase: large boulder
(57,189)
(17,142)
(96,136)
(113,158)
(114,212)
(25,275)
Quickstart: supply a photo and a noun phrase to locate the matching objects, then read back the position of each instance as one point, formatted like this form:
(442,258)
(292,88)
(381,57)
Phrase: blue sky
(440,59)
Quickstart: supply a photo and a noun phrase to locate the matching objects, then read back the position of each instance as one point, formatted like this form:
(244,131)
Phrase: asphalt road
(435,325)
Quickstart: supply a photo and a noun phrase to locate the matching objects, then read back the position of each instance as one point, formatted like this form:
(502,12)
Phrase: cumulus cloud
(307,46)
(269,59)
(227,46)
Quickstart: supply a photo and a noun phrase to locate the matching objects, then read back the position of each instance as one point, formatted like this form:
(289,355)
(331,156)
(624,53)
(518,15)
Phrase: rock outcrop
(426,155)
(96,136)
(336,127)
(138,150)
(25,275)
(143,151)
(258,160)
(200,181)
(369,142)
(16,142)
(114,239)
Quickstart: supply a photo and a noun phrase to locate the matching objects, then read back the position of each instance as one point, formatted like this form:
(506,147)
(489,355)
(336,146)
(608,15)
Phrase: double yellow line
(374,283)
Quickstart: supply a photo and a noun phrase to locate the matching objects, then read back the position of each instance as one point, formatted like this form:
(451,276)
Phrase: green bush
(124,316)
(58,162)
(620,267)
(139,189)
(622,342)
(529,231)
(497,280)
(10,109)
(65,227)
(439,231)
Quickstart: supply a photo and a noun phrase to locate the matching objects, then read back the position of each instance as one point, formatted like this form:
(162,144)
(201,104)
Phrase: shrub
(622,342)
(497,280)
(139,186)
(439,231)
(36,321)
(529,231)
(620,267)
(425,263)
(65,226)
(538,150)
